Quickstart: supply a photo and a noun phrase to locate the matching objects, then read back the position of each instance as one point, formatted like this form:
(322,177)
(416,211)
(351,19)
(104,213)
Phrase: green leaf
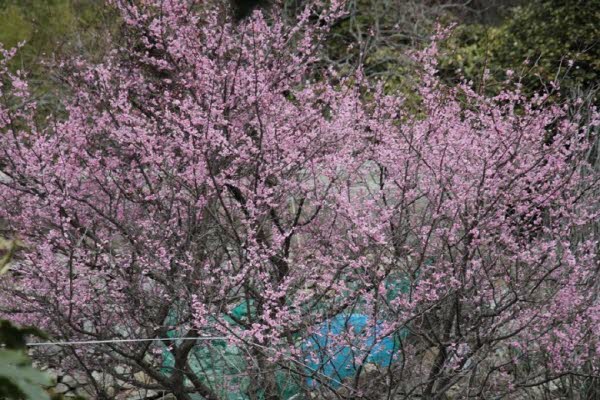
(18,380)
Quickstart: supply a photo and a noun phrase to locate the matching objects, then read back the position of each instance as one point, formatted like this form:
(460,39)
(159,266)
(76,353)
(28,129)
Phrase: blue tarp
(219,365)
(337,356)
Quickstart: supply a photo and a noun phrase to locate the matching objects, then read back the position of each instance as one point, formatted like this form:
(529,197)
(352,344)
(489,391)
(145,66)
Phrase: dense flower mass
(209,178)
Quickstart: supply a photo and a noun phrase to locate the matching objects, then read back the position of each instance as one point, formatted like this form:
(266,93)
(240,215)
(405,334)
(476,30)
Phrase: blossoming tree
(210,180)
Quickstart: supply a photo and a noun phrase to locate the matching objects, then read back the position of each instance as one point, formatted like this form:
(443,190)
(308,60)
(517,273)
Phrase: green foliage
(14,27)
(44,25)
(19,380)
(378,35)
(537,40)
(7,251)
(52,30)
(12,337)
